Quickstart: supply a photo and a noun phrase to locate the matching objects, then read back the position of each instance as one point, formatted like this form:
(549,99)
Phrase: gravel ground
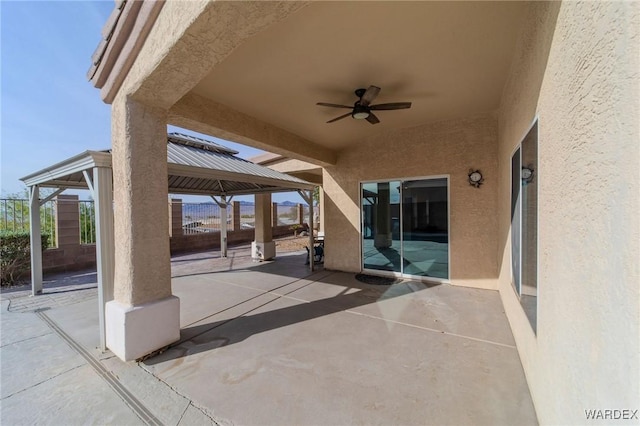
(291,243)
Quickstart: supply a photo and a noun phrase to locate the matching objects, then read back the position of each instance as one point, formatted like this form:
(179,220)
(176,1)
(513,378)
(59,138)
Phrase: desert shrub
(15,256)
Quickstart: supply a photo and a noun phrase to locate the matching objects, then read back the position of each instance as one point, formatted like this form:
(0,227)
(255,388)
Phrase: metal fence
(287,215)
(305,213)
(205,217)
(197,218)
(200,218)
(87,212)
(14,216)
(247,216)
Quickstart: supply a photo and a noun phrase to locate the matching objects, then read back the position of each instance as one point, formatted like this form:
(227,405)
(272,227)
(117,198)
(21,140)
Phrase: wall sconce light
(527,174)
(475,178)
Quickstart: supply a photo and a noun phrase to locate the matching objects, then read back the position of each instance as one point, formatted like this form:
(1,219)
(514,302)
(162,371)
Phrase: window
(524,223)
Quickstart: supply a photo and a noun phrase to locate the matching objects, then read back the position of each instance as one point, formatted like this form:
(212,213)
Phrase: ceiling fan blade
(369,95)
(339,118)
(394,105)
(333,105)
(372,119)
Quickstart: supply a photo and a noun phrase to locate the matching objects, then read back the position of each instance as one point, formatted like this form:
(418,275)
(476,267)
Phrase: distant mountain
(283,203)
(199,211)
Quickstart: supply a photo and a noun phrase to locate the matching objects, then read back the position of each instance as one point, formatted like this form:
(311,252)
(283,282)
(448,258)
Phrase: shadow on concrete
(209,336)
(191,259)
(61,282)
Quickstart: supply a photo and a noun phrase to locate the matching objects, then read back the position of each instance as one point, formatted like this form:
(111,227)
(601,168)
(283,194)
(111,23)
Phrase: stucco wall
(577,69)
(445,148)
(211,240)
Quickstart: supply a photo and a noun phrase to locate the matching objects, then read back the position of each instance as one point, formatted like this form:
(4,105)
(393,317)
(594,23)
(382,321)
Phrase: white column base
(263,251)
(135,331)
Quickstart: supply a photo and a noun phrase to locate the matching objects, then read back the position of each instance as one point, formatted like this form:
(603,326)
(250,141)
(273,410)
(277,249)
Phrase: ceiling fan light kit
(360,113)
(361,109)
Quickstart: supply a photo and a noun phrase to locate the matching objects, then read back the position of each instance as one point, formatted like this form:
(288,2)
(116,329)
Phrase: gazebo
(195,166)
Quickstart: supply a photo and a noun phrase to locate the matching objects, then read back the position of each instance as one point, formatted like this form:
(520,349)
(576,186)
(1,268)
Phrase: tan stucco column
(144,316)
(235,217)
(263,248)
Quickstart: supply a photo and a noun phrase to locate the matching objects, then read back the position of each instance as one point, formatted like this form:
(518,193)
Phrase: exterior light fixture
(527,174)
(475,178)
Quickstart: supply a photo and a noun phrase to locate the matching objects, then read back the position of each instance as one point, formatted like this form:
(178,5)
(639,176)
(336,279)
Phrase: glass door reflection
(405,227)
(425,228)
(381,245)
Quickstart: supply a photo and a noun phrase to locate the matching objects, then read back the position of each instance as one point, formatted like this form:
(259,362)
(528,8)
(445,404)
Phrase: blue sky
(48,109)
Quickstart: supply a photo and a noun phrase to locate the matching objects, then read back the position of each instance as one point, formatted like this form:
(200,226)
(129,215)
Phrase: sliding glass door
(381,243)
(405,227)
(425,228)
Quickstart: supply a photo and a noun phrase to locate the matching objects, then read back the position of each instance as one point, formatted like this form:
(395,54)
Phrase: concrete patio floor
(269,343)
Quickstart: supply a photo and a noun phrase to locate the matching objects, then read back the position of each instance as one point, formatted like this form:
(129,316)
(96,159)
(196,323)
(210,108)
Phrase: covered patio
(194,166)
(327,346)
(531,98)
(321,347)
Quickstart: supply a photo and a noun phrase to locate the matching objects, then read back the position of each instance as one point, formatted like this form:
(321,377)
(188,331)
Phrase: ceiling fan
(361,109)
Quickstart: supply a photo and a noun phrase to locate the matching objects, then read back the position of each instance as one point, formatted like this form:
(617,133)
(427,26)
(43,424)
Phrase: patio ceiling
(256,75)
(450,59)
(195,166)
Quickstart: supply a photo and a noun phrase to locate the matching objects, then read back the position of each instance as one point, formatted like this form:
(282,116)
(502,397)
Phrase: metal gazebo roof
(195,166)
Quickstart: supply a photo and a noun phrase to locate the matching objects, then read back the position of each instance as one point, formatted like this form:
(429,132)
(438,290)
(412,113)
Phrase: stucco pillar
(67,221)
(176,217)
(144,316)
(274,214)
(382,238)
(263,248)
(235,217)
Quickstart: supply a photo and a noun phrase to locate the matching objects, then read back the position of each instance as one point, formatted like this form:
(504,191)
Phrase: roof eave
(204,173)
(84,161)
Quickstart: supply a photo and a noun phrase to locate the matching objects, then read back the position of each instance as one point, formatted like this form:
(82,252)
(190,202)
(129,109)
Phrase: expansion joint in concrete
(462,336)
(136,406)
(43,381)
(177,392)
(27,339)
(185,408)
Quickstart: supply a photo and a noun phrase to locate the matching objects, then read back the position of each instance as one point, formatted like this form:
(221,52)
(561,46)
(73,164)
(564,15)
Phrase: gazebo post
(308,197)
(223,225)
(223,222)
(36,240)
(102,191)
(139,289)
(312,251)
